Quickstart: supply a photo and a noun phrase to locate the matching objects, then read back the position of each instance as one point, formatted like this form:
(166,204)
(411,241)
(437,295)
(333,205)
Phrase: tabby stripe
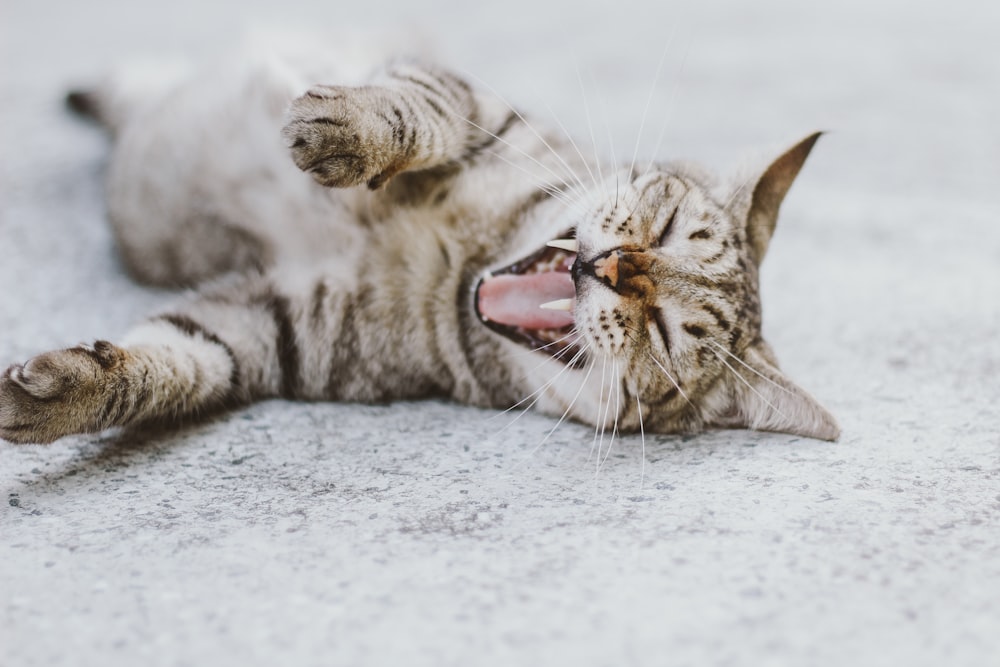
(715,258)
(451,83)
(661,327)
(714,312)
(399,127)
(436,107)
(318,305)
(326,120)
(285,343)
(670,395)
(694,330)
(347,345)
(191,328)
(411,141)
(423,84)
(490,139)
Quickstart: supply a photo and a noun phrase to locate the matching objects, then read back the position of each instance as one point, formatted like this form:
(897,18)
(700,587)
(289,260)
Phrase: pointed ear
(770,191)
(763,398)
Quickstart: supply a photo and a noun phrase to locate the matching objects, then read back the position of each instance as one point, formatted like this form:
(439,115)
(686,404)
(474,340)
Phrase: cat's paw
(57,393)
(338,135)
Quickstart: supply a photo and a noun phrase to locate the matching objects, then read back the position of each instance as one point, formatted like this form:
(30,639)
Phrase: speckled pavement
(432,534)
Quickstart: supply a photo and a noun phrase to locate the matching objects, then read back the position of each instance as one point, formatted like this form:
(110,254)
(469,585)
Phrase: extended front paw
(337,135)
(58,393)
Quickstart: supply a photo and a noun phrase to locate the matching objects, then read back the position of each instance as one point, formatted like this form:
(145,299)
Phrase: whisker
(669,376)
(590,124)
(673,93)
(573,143)
(655,361)
(753,370)
(737,192)
(618,408)
(604,425)
(510,145)
(538,393)
(576,204)
(652,89)
(749,386)
(569,407)
(600,402)
(546,360)
(531,127)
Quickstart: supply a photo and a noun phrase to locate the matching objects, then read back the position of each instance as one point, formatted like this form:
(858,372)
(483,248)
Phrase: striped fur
(359,283)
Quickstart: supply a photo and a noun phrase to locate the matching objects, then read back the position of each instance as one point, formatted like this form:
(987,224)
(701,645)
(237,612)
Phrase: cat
(413,236)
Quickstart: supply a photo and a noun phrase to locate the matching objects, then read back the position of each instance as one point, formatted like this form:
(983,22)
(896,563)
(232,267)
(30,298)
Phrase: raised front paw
(343,136)
(58,393)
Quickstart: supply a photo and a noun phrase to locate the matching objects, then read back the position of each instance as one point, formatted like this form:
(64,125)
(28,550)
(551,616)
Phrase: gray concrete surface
(429,534)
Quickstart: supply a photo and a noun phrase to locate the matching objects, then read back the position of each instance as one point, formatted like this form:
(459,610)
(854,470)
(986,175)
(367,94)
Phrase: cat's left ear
(763,398)
(769,191)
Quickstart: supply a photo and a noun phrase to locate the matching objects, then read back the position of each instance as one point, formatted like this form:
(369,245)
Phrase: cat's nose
(627,272)
(603,267)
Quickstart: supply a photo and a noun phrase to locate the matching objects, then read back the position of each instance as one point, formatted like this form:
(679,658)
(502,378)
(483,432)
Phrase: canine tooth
(564,244)
(559,304)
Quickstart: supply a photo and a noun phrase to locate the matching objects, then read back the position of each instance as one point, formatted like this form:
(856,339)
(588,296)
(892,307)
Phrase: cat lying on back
(414,237)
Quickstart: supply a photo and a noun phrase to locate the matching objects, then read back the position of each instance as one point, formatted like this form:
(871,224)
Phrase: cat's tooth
(569,245)
(559,304)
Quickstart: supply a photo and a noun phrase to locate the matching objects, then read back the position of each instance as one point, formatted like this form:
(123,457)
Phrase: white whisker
(749,386)
(754,370)
(537,394)
(600,402)
(590,124)
(576,204)
(652,90)
(510,145)
(571,403)
(669,377)
(586,165)
(673,95)
(616,376)
(531,127)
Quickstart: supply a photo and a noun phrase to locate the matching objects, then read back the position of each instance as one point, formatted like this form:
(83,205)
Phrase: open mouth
(531,301)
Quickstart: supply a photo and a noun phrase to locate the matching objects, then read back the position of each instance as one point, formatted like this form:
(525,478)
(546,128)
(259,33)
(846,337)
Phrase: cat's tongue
(514,300)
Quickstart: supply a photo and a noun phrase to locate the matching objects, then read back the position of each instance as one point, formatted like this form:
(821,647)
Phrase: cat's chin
(531,302)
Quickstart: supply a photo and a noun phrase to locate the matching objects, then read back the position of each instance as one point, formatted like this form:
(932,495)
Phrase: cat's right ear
(769,190)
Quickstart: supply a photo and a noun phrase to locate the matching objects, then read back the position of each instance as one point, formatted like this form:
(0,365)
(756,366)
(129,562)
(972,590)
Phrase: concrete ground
(431,534)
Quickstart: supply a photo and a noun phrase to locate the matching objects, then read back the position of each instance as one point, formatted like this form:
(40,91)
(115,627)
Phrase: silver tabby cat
(411,236)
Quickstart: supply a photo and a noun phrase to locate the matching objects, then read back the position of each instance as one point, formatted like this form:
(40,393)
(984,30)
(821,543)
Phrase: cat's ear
(769,191)
(763,398)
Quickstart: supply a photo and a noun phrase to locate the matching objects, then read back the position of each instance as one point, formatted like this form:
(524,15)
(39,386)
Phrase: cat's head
(652,300)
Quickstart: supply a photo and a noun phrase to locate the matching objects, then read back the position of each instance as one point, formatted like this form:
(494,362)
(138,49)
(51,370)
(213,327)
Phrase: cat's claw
(335,136)
(55,394)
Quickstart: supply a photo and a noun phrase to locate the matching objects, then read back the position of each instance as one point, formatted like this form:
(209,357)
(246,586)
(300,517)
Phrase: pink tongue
(514,300)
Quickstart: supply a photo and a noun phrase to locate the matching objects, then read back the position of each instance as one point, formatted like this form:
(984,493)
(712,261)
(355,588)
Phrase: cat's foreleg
(412,117)
(217,351)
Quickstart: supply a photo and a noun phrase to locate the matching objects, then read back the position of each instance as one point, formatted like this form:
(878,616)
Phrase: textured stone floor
(431,534)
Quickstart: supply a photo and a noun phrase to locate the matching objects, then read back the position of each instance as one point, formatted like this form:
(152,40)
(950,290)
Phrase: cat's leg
(217,351)
(413,116)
